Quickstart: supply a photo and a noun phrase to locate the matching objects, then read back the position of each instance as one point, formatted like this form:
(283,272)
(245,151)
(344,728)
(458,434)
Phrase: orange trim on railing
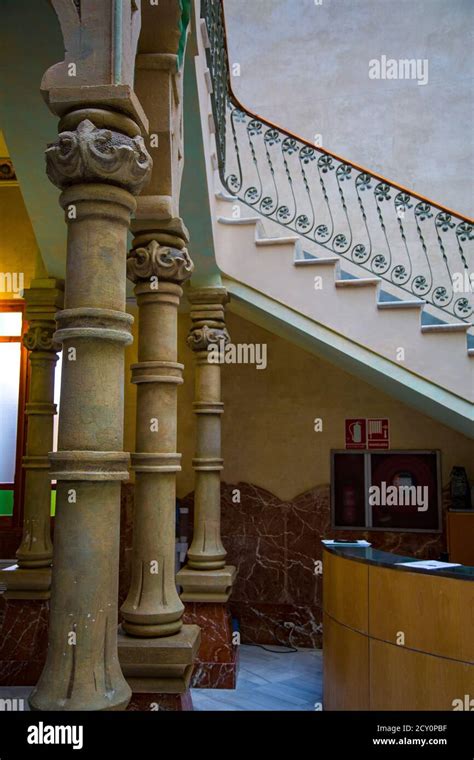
(360,168)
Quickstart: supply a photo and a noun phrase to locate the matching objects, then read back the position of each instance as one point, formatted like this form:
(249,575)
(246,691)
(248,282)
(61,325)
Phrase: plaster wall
(304,65)
(268,436)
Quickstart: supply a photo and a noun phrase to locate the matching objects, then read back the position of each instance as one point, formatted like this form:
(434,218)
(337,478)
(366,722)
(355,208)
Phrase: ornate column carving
(99,170)
(153,607)
(206,577)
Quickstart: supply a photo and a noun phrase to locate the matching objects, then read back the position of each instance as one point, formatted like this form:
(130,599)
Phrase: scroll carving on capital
(163,262)
(91,154)
(200,338)
(40,338)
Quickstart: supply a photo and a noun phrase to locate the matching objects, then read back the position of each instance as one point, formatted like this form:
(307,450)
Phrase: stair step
(277,240)
(446,327)
(360,282)
(238,220)
(221,195)
(400,304)
(314,262)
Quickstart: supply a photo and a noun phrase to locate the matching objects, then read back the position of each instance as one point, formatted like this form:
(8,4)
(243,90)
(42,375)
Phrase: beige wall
(268,436)
(18,248)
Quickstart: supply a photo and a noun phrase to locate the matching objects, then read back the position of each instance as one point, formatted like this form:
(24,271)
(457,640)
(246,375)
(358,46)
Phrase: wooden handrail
(324,151)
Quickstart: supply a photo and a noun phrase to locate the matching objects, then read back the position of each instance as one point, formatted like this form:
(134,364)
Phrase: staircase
(373,273)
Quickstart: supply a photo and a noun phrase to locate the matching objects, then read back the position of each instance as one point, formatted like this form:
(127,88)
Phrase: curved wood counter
(395,638)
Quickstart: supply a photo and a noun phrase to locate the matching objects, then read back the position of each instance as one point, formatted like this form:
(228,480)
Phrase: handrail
(326,151)
(375,255)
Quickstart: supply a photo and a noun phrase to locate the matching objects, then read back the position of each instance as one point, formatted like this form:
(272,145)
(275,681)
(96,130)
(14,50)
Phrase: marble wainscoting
(217,663)
(23,640)
(275,545)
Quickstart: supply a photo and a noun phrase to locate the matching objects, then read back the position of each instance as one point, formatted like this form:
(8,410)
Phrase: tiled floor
(269,681)
(266,681)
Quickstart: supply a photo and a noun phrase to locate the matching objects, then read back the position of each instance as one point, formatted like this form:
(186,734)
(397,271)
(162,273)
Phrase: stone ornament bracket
(155,260)
(201,337)
(91,154)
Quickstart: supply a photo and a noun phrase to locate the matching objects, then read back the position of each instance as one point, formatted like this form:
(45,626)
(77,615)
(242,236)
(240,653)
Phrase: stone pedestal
(159,670)
(210,586)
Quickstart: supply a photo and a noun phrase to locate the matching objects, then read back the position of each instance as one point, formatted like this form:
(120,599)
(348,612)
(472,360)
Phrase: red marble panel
(275,545)
(216,663)
(23,640)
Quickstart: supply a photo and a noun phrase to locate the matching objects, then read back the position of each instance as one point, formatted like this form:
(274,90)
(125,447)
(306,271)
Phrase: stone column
(206,577)
(24,607)
(33,578)
(99,170)
(153,607)
(158,653)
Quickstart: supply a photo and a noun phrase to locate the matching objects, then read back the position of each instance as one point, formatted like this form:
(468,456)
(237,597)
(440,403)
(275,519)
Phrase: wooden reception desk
(395,638)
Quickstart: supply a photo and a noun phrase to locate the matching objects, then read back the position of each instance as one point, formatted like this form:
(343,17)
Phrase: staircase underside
(391,378)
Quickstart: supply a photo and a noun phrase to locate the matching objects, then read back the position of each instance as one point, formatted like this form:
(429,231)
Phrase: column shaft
(82,669)
(153,607)
(206,577)
(42,300)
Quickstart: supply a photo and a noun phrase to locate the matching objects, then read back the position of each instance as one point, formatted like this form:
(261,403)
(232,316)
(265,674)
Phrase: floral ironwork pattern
(407,241)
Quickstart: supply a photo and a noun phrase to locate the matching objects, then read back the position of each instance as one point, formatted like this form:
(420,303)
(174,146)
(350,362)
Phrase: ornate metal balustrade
(403,238)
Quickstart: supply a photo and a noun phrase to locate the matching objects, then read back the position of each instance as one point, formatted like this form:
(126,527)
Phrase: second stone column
(207,580)
(158,653)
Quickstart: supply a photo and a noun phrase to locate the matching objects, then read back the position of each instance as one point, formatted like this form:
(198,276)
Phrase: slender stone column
(43,299)
(33,578)
(99,171)
(153,607)
(206,577)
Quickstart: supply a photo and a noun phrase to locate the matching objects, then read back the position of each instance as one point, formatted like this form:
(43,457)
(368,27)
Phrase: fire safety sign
(362,433)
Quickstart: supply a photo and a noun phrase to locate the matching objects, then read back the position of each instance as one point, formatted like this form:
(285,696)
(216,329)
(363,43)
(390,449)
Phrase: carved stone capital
(200,338)
(160,261)
(39,337)
(91,154)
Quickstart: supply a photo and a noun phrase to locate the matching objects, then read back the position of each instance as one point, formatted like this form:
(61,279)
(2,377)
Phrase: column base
(206,585)
(23,640)
(160,666)
(26,583)
(217,661)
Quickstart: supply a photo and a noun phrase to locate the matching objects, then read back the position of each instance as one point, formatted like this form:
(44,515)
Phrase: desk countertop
(378,558)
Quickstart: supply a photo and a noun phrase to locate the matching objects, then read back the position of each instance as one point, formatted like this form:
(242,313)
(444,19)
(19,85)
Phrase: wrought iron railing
(400,236)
